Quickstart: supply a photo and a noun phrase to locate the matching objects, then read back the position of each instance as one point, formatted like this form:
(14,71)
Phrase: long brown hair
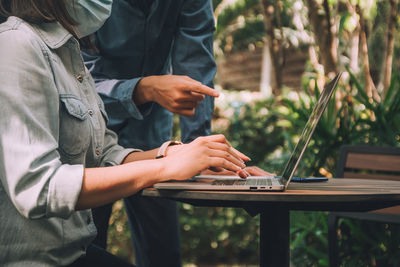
(39,11)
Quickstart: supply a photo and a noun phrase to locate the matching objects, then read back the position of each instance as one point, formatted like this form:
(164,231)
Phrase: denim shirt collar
(52,33)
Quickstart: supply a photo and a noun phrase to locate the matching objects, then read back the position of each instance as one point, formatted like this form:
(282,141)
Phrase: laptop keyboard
(248,181)
(258,181)
(229,182)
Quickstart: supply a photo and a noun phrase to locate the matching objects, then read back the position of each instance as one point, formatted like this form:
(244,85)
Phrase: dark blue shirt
(168,37)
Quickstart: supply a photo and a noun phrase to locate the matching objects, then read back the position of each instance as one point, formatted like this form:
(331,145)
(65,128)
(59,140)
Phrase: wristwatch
(163,148)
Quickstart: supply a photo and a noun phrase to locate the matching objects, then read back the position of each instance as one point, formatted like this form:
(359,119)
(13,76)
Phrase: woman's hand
(185,161)
(251,170)
(106,184)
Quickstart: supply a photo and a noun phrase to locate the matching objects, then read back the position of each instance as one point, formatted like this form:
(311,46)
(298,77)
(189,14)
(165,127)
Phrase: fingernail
(242,174)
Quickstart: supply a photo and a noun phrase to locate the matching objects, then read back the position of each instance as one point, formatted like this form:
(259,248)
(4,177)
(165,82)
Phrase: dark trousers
(154,230)
(96,256)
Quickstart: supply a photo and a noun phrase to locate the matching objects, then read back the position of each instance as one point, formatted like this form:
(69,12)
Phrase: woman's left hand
(214,151)
(250,170)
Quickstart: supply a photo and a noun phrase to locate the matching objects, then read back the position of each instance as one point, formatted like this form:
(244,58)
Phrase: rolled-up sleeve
(193,56)
(31,172)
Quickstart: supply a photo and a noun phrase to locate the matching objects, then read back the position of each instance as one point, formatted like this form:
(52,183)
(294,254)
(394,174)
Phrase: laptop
(260,183)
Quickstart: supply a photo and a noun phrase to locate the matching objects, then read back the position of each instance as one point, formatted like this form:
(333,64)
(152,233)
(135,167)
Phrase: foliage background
(267,129)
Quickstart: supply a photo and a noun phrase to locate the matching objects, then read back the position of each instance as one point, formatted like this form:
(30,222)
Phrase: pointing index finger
(204,89)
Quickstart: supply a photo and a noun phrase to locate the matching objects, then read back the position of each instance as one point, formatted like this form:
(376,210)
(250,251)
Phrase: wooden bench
(364,162)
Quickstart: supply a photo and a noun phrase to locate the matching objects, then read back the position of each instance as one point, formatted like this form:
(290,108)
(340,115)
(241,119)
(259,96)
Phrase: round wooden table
(274,207)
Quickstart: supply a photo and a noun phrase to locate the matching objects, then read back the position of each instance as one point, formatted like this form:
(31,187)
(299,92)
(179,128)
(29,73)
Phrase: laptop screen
(305,137)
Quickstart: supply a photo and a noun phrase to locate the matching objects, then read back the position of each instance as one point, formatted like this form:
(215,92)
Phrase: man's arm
(179,94)
(192,55)
(133,97)
(116,94)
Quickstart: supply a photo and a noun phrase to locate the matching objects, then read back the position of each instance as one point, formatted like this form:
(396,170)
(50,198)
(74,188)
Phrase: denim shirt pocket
(75,129)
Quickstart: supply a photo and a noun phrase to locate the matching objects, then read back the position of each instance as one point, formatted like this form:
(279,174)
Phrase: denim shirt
(52,126)
(173,36)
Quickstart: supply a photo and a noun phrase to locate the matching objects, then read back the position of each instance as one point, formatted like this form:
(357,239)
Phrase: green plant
(348,119)
(363,243)
(379,121)
(308,244)
(352,119)
(119,238)
(212,236)
(336,127)
(253,129)
(267,130)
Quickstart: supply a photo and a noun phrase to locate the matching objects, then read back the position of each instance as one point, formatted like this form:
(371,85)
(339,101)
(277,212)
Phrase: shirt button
(98,152)
(79,78)
(90,112)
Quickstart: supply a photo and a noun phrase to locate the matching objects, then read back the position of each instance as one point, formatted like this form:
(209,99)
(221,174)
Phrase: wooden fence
(242,70)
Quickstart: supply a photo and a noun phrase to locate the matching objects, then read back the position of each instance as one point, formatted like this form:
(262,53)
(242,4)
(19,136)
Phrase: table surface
(334,195)
(341,194)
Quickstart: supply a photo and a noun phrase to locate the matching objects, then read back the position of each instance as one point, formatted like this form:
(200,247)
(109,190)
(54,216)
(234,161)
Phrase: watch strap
(162,151)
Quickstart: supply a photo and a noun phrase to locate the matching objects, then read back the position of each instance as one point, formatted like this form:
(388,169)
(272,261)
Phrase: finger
(227,156)
(243,174)
(223,163)
(185,104)
(205,90)
(197,95)
(189,95)
(256,171)
(226,172)
(224,147)
(237,152)
(221,139)
(216,169)
(241,155)
(184,112)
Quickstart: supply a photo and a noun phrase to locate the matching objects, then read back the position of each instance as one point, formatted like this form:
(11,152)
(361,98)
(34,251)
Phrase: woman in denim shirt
(57,159)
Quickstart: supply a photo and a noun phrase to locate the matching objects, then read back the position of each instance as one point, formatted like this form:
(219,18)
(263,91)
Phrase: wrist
(142,93)
(162,151)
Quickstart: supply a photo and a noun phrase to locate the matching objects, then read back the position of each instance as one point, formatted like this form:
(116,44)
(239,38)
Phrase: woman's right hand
(214,151)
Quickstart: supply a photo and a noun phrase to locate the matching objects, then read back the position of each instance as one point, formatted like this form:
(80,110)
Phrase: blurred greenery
(364,243)
(268,129)
(119,237)
(212,236)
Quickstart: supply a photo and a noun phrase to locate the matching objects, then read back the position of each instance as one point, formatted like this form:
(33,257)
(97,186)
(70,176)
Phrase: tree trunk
(354,50)
(369,83)
(388,59)
(354,37)
(266,73)
(323,34)
(275,46)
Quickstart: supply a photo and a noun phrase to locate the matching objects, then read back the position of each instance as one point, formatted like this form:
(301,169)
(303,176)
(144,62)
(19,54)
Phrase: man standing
(155,57)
